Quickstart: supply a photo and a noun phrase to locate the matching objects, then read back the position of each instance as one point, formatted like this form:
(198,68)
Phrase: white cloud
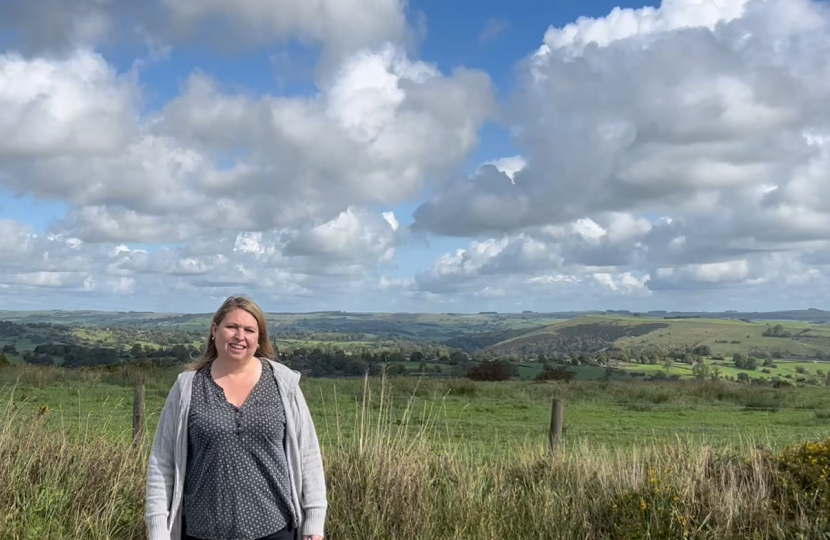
(344,256)
(340,25)
(293,161)
(509,165)
(621,24)
(660,151)
(710,114)
(55,25)
(78,105)
(625,283)
(350,236)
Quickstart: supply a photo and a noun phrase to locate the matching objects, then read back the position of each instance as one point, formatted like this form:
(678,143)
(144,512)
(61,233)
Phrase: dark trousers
(285,534)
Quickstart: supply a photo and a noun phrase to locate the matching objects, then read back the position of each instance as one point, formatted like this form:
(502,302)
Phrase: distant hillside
(584,334)
(501,333)
(724,337)
(475,342)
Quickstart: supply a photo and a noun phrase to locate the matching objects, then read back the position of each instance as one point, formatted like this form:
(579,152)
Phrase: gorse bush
(802,478)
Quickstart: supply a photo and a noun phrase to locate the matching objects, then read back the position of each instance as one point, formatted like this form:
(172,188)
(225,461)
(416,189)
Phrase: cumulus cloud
(213,160)
(56,25)
(659,151)
(708,112)
(329,259)
(523,271)
(544,256)
(342,26)
(77,105)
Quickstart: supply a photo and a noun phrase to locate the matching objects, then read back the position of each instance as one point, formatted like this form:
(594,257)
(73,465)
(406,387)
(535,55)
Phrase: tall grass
(388,480)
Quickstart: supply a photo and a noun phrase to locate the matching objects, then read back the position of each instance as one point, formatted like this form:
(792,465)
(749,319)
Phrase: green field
(785,369)
(416,459)
(483,416)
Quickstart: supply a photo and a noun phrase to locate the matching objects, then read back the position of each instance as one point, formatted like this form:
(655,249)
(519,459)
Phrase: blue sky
(163,155)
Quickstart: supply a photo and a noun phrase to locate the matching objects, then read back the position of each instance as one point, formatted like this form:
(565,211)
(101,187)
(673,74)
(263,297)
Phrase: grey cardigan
(166,468)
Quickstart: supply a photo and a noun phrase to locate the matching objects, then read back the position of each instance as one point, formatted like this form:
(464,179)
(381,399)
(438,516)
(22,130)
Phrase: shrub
(804,477)
(550,373)
(496,370)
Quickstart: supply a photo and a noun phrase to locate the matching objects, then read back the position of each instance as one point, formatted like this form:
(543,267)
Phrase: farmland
(482,415)
(654,445)
(474,454)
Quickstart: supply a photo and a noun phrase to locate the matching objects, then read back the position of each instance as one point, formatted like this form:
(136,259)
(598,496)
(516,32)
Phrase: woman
(235,455)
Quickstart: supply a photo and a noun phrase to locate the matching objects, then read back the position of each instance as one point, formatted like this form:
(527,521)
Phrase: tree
(751,364)
(458,357)
(416,356)
(179,352)
(700,370)
(496,370)
(739,359)
(716,372)
(4,361)
(778,331)
(743,377)
(702,350)
(356,366)
(668,363)
(9,349)
(395,356)
(559,373)
(461,370)
(397,369)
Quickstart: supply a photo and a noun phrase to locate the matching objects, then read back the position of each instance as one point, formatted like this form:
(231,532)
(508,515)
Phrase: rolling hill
(724,337)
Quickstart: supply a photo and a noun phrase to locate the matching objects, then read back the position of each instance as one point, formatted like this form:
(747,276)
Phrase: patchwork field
(724,337)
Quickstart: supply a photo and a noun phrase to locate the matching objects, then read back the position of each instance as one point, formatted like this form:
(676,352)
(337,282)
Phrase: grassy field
(786,369)
(638,461)
(482,415)
(727,337)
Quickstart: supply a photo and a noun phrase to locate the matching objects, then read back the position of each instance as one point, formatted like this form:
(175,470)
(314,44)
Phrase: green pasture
(783,369)
(725,337)
(483,416)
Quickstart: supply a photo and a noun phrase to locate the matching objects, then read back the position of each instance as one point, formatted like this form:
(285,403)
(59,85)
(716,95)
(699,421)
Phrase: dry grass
(388,482)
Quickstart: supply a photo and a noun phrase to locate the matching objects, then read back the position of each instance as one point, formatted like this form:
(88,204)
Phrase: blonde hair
(264,348)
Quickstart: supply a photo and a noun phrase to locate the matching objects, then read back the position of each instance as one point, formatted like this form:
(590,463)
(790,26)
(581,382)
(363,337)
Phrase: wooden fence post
(557,413)
(138,413)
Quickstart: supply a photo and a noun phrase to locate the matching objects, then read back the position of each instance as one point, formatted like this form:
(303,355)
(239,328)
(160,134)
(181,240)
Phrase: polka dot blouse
(236,481)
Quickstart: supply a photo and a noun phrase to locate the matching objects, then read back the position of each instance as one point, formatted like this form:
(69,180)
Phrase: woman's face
(237,336)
